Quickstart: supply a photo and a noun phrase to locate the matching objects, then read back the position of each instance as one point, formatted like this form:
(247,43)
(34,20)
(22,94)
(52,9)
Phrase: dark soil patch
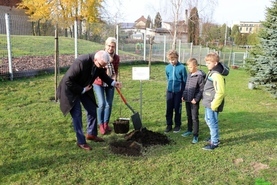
(137,141)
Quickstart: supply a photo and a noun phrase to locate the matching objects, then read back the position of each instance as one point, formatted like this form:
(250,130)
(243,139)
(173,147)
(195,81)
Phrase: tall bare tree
(176,11)
(178,6)
(112,12)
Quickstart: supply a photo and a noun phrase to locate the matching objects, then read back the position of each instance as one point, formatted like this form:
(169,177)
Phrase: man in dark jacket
(76,88)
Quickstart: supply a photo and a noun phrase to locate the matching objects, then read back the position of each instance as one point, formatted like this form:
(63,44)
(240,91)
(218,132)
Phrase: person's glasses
(101,65)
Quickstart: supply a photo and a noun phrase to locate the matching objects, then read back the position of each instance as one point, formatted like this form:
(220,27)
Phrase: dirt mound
(137,141)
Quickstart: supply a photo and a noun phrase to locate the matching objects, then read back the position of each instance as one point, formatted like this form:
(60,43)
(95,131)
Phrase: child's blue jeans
(211,118)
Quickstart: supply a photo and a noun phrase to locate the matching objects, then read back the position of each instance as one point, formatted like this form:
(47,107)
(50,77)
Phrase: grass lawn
(26,45)
(38,144)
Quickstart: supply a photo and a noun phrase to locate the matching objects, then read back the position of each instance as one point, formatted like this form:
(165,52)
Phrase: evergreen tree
(265,64)
(158,21)
(148,22)
(193,27)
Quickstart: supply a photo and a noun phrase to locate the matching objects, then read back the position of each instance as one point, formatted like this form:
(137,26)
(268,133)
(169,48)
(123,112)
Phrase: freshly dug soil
(137,141)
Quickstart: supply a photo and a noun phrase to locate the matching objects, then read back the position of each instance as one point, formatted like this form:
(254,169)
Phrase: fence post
(116,49)
(200,52)
(7,17)
(164,47)
(244,58)
(76,37)
(233,58)
(57,65)
(144,46)
(190,50)
(179,50)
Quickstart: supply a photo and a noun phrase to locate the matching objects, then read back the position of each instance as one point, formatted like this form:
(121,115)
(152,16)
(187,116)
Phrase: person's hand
(213,108)
(193,101)
(88,87)
(118,84)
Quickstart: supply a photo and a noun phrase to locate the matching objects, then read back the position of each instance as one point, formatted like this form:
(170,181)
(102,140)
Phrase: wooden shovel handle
(125,101)
(122,97)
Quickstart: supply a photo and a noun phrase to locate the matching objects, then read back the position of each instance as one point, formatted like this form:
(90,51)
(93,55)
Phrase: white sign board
(140,73)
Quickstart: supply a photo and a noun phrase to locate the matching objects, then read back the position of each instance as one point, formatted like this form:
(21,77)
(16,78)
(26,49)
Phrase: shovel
(135,117)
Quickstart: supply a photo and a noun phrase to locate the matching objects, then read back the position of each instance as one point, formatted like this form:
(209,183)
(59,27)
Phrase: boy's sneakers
(176,129)
(187,133)
(209,147)
(194,140)
(168,128)
(208,140)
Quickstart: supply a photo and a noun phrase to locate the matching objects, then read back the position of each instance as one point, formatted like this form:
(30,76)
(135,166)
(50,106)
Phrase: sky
(225,11)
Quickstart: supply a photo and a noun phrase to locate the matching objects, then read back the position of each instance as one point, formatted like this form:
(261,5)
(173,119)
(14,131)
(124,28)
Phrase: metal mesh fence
(132,46)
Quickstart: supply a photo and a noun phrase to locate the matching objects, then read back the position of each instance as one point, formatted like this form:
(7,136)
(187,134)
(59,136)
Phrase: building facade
(248,26)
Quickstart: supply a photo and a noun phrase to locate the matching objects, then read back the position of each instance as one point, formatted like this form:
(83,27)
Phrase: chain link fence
(133,45)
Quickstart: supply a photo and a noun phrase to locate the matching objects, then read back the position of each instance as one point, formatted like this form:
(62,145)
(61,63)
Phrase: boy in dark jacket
(176,75)
(192,96)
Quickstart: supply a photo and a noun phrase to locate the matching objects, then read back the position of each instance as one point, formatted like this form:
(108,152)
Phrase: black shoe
(176,129)
(168,129)
(210,147)
(208,140)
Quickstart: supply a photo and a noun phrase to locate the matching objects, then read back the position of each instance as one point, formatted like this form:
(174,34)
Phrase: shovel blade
(136,121)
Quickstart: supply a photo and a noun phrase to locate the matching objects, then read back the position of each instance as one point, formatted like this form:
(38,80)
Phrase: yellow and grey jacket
(214,89)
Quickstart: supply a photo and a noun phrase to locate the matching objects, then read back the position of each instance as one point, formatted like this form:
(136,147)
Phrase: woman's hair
(213,57)
(110,40)
(172,54)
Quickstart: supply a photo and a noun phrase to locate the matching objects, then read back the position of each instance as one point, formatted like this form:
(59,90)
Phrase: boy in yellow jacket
(213,97)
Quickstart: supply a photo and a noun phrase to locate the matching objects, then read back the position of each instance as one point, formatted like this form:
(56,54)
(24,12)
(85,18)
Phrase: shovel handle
(121,96)
(124,100)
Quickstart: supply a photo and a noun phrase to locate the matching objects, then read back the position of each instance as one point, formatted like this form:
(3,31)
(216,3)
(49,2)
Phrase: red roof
(142,18)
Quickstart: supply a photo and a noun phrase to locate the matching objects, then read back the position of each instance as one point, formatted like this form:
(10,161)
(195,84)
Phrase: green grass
(44,45)
(38,143)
